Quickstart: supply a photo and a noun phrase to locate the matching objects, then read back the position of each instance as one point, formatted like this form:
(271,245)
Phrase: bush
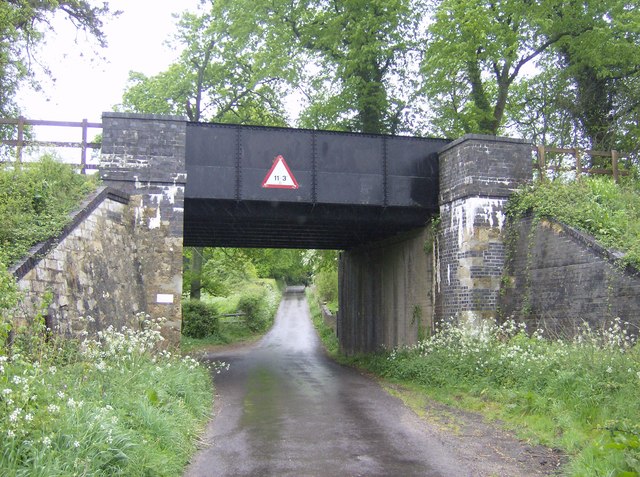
(254,305)
(35,202)
(199,319)
(326,282)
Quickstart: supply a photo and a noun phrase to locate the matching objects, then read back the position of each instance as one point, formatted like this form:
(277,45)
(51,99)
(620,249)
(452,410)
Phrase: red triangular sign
(279,176)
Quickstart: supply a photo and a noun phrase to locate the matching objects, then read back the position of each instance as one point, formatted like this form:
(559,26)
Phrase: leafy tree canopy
(568,63)
(24,23)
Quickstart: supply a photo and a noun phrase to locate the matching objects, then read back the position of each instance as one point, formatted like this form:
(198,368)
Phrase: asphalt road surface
(284,409)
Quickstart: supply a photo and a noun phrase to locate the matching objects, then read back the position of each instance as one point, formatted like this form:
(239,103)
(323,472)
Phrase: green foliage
(579,396)
(584,88)
(199,319)
(598,206)
(35,202)
(253,303)
(235,328)
(23,25)
(8,294)
(326,285)
(226,270)
(287,265)
(327,335)
(104,407)
(219,76)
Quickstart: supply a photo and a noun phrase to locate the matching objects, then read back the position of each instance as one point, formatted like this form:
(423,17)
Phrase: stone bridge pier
(144,156)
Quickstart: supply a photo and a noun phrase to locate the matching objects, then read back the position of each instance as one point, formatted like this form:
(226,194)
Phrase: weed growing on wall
(580,395)
(114,405)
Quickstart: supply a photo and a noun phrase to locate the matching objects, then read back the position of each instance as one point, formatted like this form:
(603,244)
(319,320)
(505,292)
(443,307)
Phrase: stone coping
(40,250)
(483,137)
(141,116)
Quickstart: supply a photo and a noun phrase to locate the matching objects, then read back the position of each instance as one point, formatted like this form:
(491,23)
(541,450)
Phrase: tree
(478,52)
(24,23)
(604,66)
(349,58)
(540,108)
(217,78)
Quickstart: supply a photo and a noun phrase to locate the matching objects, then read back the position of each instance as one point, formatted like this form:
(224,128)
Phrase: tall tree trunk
(594,108)
(196,272)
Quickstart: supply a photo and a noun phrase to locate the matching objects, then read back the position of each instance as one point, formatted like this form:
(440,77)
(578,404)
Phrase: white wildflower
(13,417)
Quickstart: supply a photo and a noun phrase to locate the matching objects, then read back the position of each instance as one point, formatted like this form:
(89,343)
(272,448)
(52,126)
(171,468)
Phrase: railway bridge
(371,196)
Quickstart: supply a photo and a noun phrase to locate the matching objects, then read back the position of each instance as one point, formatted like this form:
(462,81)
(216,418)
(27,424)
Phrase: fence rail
(20,142)
(578,154)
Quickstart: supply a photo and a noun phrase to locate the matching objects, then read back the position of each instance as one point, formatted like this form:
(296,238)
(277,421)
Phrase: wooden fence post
(20,143)
(83,148)
(576,155)
(614,166)
(542,166)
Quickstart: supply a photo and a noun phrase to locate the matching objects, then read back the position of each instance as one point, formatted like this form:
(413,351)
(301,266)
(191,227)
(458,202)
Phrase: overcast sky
(84,85)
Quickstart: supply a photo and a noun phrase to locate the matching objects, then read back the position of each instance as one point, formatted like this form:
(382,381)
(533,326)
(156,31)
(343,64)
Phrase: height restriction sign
(279,176)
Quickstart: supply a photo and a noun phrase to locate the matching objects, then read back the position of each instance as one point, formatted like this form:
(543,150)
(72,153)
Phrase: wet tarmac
(285,409)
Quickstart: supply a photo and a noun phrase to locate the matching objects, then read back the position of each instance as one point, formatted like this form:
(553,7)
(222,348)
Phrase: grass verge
(105,407)
(327,334)
(578,396)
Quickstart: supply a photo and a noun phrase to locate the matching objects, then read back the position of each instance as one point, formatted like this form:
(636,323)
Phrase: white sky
(84,84)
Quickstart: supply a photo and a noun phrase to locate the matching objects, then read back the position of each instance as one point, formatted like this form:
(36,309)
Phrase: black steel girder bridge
(293,188)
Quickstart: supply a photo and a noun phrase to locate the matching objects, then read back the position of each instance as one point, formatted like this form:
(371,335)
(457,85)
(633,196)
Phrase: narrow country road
(284,409)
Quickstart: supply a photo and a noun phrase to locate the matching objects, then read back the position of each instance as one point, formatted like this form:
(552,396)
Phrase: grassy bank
(597,205)
(35,201)
(103,407)
(255,306)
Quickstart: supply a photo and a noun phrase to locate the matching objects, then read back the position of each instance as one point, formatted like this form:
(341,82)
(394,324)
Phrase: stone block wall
(385,293)
(90,270)
(477,175)
(144,156)
(558,278)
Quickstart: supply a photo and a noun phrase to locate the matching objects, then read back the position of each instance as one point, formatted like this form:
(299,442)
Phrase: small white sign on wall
(164,298)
